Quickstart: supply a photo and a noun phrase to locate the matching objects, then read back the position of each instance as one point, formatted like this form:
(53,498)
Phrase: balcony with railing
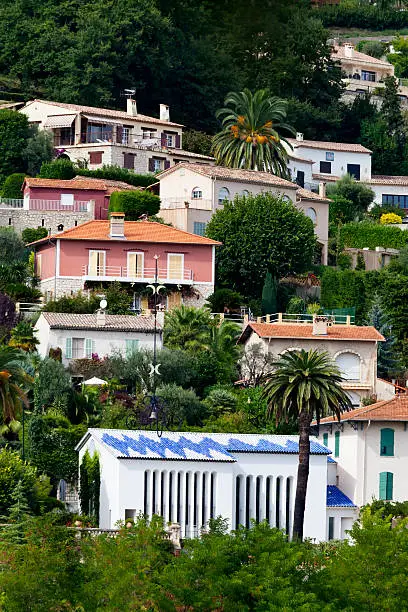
(11,203)
(176,276)
(76,206)
(196,203)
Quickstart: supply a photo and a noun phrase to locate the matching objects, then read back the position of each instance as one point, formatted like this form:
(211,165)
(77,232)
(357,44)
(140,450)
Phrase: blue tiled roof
(330,460)
(196,446)
(337,499)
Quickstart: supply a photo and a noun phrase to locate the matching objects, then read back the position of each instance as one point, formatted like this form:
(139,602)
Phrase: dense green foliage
(372,235)
(89,483)
(116,173)
(362,15)
(39,149)
(31,234)
(12,187)
(14,133)
(79,304)
(348,288)
(134,204)
(12,471)
(260,234)
(60,168)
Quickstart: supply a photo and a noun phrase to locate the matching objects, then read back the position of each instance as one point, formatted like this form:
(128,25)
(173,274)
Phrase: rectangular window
(89,348)
(158,164)
(300,178)
(78,348)
(97,261)
(367,75)
(135,267)
(325,439)
(354,171)
(125,135)
(95,157)
(325,167)
(175,266)
(131,347)
(38,265)
(331,528)
(386,486)
(148,133)
(395,200)
(337,444)
(329,156)
(67,199)
(387,442)
(99,132)
(129,161)
(169,140)
(199,228)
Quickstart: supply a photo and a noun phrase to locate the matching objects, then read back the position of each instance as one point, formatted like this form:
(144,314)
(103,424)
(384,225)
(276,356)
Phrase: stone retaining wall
(21,219)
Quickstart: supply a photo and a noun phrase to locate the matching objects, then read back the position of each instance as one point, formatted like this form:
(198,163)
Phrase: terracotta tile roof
(395,409)
(339,54)
(305,194)
(326,178)
(135,231)
(110,185)
(184,153)
(82,183)
(329,146)
(381,179)
(233,174)
(61,320)
(305,330)
(106,112)
(298,158)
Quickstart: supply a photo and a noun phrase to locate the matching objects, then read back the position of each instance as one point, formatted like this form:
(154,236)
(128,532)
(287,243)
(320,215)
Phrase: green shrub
(380,209)
(116,173)
(296,305)
(13,470)
(58,169)
(222,298)
(134,203)
(372,235)
(350,288)
(353,15)
(31,234)
(12,187)
(374,48)
(77,304)
(344,261)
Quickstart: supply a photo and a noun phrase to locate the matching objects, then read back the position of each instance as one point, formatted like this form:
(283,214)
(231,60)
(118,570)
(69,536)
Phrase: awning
(59,121)
(104,120)
(95,381)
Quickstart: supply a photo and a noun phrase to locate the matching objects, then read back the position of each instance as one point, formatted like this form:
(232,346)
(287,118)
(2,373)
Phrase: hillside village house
(99,252)
(189,478)
(371,450)
(191,193)
(80,336)
(353,348)
(99,136)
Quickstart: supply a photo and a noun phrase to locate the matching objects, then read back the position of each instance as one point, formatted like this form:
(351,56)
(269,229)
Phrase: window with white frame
(169,140)
(175,266)
(158,164)
(78,348)
(349,365)
(97,263)
(135,265)
(67,199)
(311,213)
(223,194)
(199,228)
(197,193)
(125,135)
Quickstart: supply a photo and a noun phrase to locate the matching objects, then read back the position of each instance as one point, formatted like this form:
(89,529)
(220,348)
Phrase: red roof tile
(94,184)
(329,146)
(395,409)
(135,231)
(305,330)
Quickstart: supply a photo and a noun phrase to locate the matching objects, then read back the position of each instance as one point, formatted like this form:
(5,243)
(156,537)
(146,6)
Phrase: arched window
(349,365)
(245,193)
(197,193)
(387,442)
(223,194)
(311,213)
(386,485)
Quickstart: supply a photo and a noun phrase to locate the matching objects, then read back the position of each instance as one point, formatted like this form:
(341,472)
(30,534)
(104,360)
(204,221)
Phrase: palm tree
(305,385)
(250,135)
(187,328)
(14,384)
(22,337)
(223,346)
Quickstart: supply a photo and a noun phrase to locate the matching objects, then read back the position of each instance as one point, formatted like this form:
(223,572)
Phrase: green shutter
(337,444)
(131,346)
(325,439)
(386,485)
(88,348)
(390,483)
(68,348)
(331,528)
(387,442)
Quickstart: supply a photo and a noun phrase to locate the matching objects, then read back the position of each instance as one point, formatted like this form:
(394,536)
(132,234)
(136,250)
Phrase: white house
(370,446)
(191,193)
(189,478)
(80,336)
(352,347)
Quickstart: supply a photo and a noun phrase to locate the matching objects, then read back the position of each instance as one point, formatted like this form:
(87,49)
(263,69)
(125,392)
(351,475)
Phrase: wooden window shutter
(144,302)
(151,165)
(119,134)
(174,300)
(336,443)
(175,270)
(129,161)
(88,348)
(166,164)
(325,439)
(68,348)
(38,265)
(387,442)
(178,141)
(163,140)
(390,483)
(95,157)
(135,265)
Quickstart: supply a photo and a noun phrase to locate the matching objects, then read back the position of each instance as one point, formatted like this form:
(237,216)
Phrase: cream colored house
(352,347)
(191,193)
(99,136)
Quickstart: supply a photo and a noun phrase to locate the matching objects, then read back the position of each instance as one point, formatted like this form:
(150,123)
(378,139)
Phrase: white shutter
(349,365)
(93,263)
(135,265)
(68,348)
(101,263)
(88,348)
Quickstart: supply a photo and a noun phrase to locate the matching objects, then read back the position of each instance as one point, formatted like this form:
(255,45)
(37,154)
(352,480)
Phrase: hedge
(58,169)
(12,187)
(134,203)
(367,17)
(372,235)
(116,173)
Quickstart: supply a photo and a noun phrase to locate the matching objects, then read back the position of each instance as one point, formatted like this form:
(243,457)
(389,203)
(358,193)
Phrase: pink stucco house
(98,252)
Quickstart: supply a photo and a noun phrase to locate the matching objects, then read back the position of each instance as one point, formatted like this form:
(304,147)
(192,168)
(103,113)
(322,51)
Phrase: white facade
(82,343)
(189,478)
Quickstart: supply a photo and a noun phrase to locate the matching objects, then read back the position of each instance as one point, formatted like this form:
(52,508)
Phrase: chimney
(320,324)
(299,136)
(348,50)
(117,225)
(101,317)
(131,107)
(164,112)
(322,190)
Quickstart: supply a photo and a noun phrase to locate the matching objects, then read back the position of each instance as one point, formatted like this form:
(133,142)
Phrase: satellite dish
(103,304)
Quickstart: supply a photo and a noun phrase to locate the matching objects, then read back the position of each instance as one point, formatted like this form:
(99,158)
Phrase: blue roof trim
(330,460)
(337,499)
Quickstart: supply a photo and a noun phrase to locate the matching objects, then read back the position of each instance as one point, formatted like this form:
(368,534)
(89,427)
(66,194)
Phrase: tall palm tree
(14,384)
(305,385)
(187,328)
(251,132)
(223,345)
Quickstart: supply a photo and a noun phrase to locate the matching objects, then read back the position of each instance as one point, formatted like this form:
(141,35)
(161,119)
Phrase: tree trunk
(302,476)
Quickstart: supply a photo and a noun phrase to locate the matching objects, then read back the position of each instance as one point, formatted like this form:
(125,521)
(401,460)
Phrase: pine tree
(19,513)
